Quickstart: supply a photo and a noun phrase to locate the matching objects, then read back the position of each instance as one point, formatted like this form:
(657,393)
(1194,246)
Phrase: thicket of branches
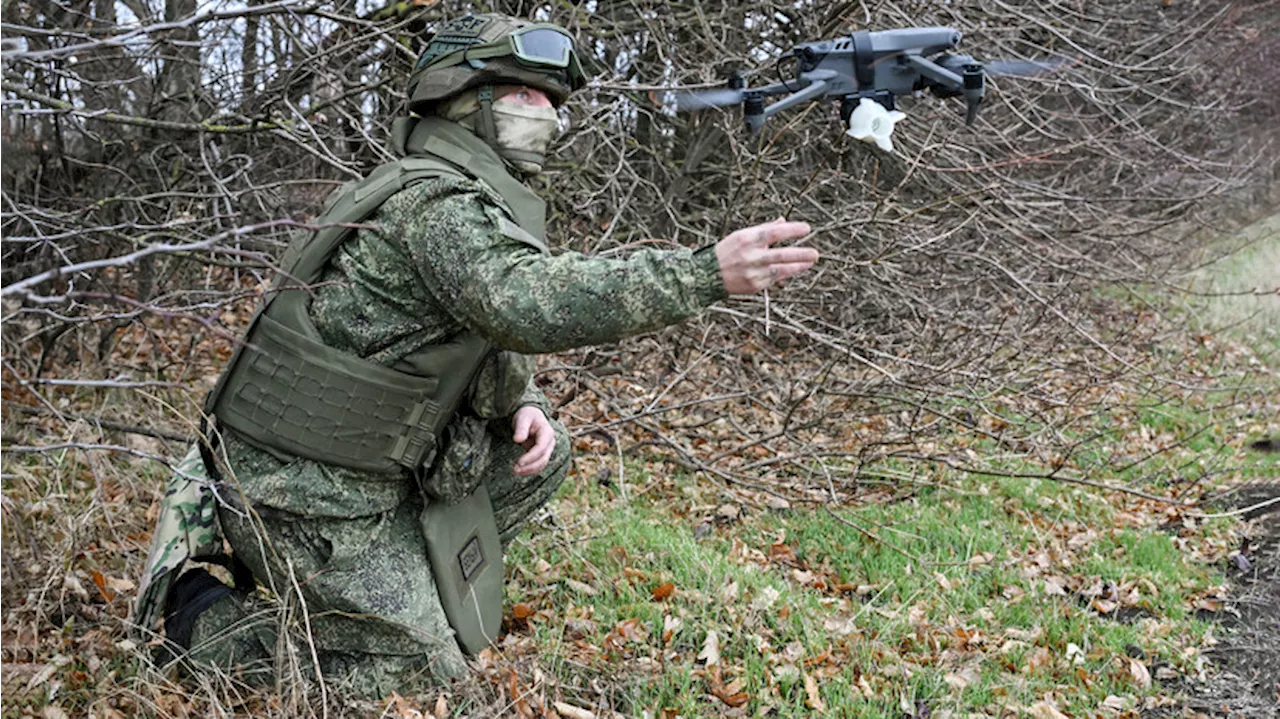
(157,156)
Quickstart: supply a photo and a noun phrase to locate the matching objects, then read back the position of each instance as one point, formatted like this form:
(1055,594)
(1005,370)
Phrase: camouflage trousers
(357,598)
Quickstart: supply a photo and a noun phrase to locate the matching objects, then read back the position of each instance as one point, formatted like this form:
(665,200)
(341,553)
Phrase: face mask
(524,134)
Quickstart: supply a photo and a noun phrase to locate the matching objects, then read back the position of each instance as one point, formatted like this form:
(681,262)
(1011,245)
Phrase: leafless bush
(157,158)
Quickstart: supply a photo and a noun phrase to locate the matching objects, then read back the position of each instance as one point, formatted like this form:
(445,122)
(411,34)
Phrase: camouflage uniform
(345,546)
(435,266)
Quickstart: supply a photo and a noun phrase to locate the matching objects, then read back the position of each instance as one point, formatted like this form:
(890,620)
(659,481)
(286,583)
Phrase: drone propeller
(689,100)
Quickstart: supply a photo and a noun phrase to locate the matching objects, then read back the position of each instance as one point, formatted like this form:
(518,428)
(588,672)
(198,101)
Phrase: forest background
(991,458)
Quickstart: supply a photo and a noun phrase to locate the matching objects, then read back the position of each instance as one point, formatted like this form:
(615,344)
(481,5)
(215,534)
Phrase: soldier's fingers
(546,442)
(775,232)
(522,468)
(522,423)
(791,255)
(790,269)
(536,459)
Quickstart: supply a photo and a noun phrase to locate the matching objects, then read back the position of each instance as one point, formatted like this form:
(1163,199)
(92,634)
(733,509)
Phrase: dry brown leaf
(521,612)
(1115,703)
(729,593)
(624,632)
(100,582)
(802,576)
(1025,635)
(73,584)
(400,708)
(765,599)
(841,624)
(1039,659)
(710,654)
(1046,710)
(782,553)
(1139,672)
(121,585)
(569,711)
(670,625)
(1055,586)
(813,697)
(731,693)
(441,709)
(980,559)
(581,587)
(958,681)
(662,591)
(728,513)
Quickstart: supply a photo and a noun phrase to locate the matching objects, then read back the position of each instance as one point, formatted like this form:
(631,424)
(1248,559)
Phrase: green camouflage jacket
(433,265)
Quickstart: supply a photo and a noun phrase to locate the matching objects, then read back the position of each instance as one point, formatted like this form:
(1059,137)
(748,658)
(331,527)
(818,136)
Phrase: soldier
(380,437)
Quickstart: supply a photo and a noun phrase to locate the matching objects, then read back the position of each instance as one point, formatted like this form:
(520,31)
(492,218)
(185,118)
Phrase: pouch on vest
(466,561)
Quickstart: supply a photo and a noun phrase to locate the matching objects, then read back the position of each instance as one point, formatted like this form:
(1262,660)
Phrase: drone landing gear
(850,102)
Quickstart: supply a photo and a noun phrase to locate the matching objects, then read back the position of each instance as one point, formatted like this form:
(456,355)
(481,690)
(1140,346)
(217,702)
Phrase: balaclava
(520,134)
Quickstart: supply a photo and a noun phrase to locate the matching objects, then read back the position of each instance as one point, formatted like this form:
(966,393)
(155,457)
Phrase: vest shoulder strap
(352,204)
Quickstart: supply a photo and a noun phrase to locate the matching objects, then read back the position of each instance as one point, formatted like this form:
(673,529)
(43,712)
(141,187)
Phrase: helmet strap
(488,129)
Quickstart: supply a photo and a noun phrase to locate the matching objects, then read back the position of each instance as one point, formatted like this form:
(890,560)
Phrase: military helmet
(493,49)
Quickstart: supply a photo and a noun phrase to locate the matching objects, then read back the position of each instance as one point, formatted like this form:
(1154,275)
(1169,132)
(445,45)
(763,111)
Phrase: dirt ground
(1245,675)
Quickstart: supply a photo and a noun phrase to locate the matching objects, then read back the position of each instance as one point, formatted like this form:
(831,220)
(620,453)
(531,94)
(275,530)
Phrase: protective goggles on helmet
(540,46)
(543,45)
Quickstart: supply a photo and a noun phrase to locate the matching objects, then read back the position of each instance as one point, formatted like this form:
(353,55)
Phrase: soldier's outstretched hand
(749,263)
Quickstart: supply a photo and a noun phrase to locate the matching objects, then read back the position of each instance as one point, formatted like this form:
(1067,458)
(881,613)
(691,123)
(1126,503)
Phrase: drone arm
(816,88)
(935,72)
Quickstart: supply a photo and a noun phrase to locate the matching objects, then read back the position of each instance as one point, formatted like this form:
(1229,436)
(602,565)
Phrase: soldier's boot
(194,592)
(208,625)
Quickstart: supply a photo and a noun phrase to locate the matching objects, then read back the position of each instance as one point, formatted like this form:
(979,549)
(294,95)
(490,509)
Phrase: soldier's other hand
(749,263)
(534,433)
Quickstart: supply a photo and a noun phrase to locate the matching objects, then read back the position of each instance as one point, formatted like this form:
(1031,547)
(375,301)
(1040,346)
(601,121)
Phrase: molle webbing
(285,390)
(297,395)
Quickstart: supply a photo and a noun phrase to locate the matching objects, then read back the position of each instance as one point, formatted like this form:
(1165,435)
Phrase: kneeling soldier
(379,435)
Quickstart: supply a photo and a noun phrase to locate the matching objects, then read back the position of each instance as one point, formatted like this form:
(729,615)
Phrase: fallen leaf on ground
(1115,703)
(1139,672)
(813,697)
(581,587)
(663,591)
(730,693)
(710,654)
(765,599)
(1045,710)
(961,679)
(570,711)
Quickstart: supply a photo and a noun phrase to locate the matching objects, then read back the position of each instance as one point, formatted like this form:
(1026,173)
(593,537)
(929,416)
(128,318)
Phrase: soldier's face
(521,95)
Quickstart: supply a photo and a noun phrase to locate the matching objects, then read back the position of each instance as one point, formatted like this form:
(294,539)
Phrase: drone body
(878,66)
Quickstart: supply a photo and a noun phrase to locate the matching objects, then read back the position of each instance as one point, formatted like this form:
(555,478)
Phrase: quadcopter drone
(866,71)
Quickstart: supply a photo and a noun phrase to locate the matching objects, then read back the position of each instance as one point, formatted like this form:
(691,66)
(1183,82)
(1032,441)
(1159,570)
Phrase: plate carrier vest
(285,390)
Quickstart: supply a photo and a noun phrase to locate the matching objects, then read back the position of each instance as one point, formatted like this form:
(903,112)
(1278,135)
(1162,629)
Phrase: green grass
(953,605)
(1250,262)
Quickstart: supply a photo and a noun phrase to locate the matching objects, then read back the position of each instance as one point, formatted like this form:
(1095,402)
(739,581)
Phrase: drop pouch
(466,560)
